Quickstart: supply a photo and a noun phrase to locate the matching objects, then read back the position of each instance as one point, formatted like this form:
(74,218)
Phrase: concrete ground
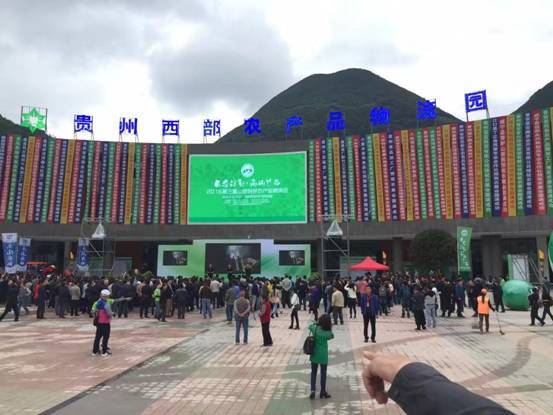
(193,366)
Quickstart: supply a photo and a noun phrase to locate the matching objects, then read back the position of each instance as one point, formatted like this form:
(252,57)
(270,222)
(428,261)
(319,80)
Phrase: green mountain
(9,127)
(353,91)
(542,98)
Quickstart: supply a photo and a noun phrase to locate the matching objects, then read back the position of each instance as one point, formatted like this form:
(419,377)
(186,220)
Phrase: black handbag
(95,320)
(309,344)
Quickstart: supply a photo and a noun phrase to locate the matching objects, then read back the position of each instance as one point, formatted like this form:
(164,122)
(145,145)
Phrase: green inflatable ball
(515,294)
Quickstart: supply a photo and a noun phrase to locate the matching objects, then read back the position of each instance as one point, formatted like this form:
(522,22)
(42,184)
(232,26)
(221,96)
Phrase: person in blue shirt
(459,296)
(370,307)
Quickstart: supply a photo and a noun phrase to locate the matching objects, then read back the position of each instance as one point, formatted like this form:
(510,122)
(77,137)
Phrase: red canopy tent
(369,264)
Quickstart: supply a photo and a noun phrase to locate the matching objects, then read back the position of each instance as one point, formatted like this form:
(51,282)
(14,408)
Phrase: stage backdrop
(251,188)
(264,257)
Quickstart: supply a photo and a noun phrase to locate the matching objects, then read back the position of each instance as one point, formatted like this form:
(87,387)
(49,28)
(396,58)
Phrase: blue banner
(344,177)
(9,246)
(151,182)
(496,170)
(20,179)
(61,180)
(324,177)
(80,195)
(123,183)
(528,163)
(464,172)
(170,182)
(103,180)
(23,253)
(82,254)
(392,173)
(365,208)
(42,171)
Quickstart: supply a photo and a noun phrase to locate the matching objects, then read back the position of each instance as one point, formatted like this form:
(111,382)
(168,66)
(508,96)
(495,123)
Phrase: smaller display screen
(173,258)
(237,257)
(291,258)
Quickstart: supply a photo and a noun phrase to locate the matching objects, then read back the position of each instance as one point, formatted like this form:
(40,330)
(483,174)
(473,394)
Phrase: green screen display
(247,188)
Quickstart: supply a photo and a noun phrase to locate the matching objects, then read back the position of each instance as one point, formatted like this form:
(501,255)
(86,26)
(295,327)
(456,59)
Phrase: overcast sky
(197,59)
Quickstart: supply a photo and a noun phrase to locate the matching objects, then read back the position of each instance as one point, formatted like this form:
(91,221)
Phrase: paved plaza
(194,367)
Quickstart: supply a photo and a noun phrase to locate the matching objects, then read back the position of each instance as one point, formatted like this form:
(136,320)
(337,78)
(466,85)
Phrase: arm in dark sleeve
(419,389)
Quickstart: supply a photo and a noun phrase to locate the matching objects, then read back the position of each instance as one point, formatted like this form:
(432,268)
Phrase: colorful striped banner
(422,175)
(379,185)
(48,180)
(13,178)
(511,167)
(486,171)
(400,176)
(441,181)
(496,169)
(184,182)
(54,181)
(324,177)
(539,185)
(78,145)
(20,179)
(122,195)
(116,182)
(68,175)
(81,181)
(29,161)
(383,140)
(344,177)
(519,158)
(91,151)
(176,187)
(455,171)
(357,175)
(392,176)
(102,190)
(151,183)
(163,195)
(330,169)
(3,145)
(318,184)
(478,195)
(463,169)
(144,183)
(110,182)
(311,179)
(428,173)
(34,180)
(93,197)
(547,158)
(365,203)
(157,184)
(337,176)
(350,178)
(44,167)
(7,168)
(374,210)
(528,170)
(448,171)
(60,188)
(413,156)
(435,175)
(130,193)
(503,166)
(470,169)
(170,182)
(407,174)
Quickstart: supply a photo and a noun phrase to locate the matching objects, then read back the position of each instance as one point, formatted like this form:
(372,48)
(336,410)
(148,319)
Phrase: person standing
(383,298)
(498,296)
(483,307)
(302,292)
(205,295)
(241,313)
(41,299)
(405,300)
(215,286)
(337,302)
(145,296)
(314,300)
(459,295)
(180,299)
(230,298)
(12,292)
(370,306)
(265,319)
(103,325)
(157,296)
(547,303)
(322,333)
(286,285)
(533,299)
(351,290)
(295,303)
(430,306)
(75,292)
(64,298)
(418,308)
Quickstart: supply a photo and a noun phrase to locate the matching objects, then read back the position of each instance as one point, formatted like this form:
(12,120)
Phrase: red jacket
(266,316)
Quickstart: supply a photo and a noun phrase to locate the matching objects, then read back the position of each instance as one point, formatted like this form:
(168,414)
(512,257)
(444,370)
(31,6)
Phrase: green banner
(464,257)
(137,182)
(330,175)
(157,189)
(547,160)
(435,176)
(89,168)
(176,186)
(486,176)
(422,175)
(351,178)
(13,183)
(370,173)
(109,191)
(519,157)
(311,164)
(48,180)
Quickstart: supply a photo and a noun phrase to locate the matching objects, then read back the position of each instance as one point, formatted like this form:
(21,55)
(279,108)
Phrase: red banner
(400,176)
(74,181)
(95,180)
(503,166)
(34,180)
(143,180)
(470,168)
(441,180)
(428,173)
(55,172)
(455,170)
(539,185)
(7,178)
(414,175)
(318,181)
(163,207)
(357,166)
(385,176)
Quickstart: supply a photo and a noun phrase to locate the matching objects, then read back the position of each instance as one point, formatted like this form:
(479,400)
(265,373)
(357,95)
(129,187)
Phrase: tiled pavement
(48,362)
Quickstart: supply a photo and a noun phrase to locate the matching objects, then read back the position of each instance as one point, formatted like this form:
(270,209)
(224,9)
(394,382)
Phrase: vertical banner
(13,178)
(78,145)
(27,180)
(441,171)
(351,179)
(3,144)
(463,169)
(48,182)
(42,172)
(392,176)
(144,182)
(464,257)
(81,182)
(337,176)
(379,186)
(151,183)
(470,169)
(176,185)
(170,182)
(163,195)
(183,182)
(519,158)
(486,170)
(357,174)
(116,181)
(407,174)
(528,171)
(157,185)
(539,185)
(344,177)
(23,254)
(68,176)
(54,182)
(366,214)
(422,175)
(131,164)
(311,179)
(318,185)
(324,177)
(372,180)
(478,195)
(93,212)
(496,169)
(456,172)
(9,248)
(413,156)
(383,140)
(82,255)
(548,162)
(110,181)
(435,173)
(34,180)
(330,169)
(7,169)
(20,179)
(511,167)
(503,166)
(400,176)
(428,173)
(91,151)
(448,179)
(104,168)
(122,195)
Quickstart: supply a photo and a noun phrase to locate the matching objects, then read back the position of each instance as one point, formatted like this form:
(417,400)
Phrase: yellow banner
(27,180)
(407,173)
(183,182)
(378,177)
(130,181)
(511,167)
(337,177)
(67,181)
(478,196)
(446,137)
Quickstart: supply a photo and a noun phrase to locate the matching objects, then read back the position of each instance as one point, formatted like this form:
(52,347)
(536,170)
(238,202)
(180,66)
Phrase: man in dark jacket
(446,298)
(533,299)
(405,296)
(370,306)
(64,298)
(180,300)
(41,299)
(498,296)
(12,292)
(459,295)
(417,303)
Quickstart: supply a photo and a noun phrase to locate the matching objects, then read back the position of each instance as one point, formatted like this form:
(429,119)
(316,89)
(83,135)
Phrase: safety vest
(483,307)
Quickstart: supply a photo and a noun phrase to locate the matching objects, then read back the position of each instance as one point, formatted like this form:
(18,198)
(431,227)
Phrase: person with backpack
(322,333)
(102,321)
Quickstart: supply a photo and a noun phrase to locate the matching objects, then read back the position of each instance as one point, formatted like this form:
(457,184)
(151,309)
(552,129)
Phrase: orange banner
(27,180)
(407,172)
(446,137)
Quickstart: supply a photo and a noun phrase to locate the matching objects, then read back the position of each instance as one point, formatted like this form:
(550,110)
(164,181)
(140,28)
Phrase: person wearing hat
(483,306)
(102,319)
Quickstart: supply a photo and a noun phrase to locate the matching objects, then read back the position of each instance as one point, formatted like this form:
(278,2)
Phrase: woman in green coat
(322,332)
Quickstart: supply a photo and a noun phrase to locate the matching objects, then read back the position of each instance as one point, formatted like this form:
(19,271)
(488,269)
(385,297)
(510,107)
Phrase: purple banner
(151,182)
(20,179)
(324,179)
(103,179)
(43,157)
(365,206)
(80,195)
(465,212)
(170,182)
(344,177)
(496,170)
(123,183)
(528,164)
(3,144)
(390,149)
